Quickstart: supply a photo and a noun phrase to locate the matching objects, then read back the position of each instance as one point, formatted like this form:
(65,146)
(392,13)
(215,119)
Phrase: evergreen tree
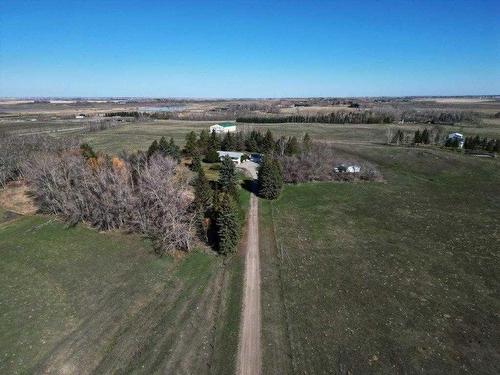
(306,143)
(173,150)
(270,178)
(203,202)
(163,146)
(476,142)
(153,148)
(418,137)
(268,142)
(490,147)
(202,192)
(190,146)
(214,141)
(87,151)
(426,139)
(497,146)
(228,225)
(212,156)
(203,141)
(228,143)
(196,162)
(227,177)
(239,141)
(292,146)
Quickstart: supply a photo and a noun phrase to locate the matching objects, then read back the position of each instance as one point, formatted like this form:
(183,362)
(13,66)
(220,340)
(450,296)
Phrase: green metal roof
(226,124)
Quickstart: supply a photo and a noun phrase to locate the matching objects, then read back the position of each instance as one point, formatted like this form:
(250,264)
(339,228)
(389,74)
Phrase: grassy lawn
(78,300)
(394,277)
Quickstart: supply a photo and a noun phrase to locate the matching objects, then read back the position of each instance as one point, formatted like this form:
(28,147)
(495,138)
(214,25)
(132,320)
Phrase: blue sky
(249,48)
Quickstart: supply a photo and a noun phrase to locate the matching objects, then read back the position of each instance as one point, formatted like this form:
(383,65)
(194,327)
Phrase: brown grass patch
(15,197)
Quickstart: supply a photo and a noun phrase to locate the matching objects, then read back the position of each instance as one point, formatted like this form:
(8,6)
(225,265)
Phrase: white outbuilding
(223,127)
(234,155)
(343,168)
(458,137)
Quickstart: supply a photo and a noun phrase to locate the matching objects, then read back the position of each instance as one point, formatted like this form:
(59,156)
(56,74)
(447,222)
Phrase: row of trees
(385,116)
(165,148)
(337,117)
(217,212)
(254,141)
(401,136)
(478,143)
(422,137)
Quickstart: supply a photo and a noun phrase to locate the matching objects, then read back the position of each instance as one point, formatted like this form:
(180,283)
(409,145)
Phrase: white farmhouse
(223,127)
(235,156)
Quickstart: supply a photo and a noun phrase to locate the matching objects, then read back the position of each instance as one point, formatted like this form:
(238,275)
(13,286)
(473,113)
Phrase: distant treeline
(338,117)
(369,117)
(123,114)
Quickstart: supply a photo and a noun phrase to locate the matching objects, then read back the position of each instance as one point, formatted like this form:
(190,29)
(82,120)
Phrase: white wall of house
(235,156)
(222,129)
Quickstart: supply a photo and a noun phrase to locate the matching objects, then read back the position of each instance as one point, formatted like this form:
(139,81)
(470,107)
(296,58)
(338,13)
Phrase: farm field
(400,276)
(134,136)
(76,300)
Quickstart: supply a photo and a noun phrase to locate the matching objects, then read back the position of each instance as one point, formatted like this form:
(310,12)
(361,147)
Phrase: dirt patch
(15,197)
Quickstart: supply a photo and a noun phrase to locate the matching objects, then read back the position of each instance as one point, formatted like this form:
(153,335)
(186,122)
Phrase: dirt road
(249,356)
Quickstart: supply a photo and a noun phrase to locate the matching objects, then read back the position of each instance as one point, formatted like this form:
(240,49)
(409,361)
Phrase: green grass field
(76,300)
(394,277)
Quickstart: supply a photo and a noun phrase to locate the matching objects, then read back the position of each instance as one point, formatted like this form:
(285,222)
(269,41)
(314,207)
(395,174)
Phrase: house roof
(231,154)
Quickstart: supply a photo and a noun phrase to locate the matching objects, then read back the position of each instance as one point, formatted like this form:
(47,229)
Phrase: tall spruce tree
(203,201)
(292,146)
(196,161)
(228,143)
(268,142)
(202,191)
(214,141)
(418,137)
(190,146)
(203,141)
(211,156)
(270,178)
(227,177)
(153,148)
(426,137)
(228,224)
(163,146)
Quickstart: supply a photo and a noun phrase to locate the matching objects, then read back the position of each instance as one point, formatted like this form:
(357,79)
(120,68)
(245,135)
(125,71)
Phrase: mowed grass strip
(394,277)
(75,300)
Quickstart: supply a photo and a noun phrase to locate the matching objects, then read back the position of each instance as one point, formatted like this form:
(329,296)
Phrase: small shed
(343,168)
(457,137)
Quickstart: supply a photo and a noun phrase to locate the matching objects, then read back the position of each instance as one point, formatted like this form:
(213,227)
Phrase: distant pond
(170,108)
